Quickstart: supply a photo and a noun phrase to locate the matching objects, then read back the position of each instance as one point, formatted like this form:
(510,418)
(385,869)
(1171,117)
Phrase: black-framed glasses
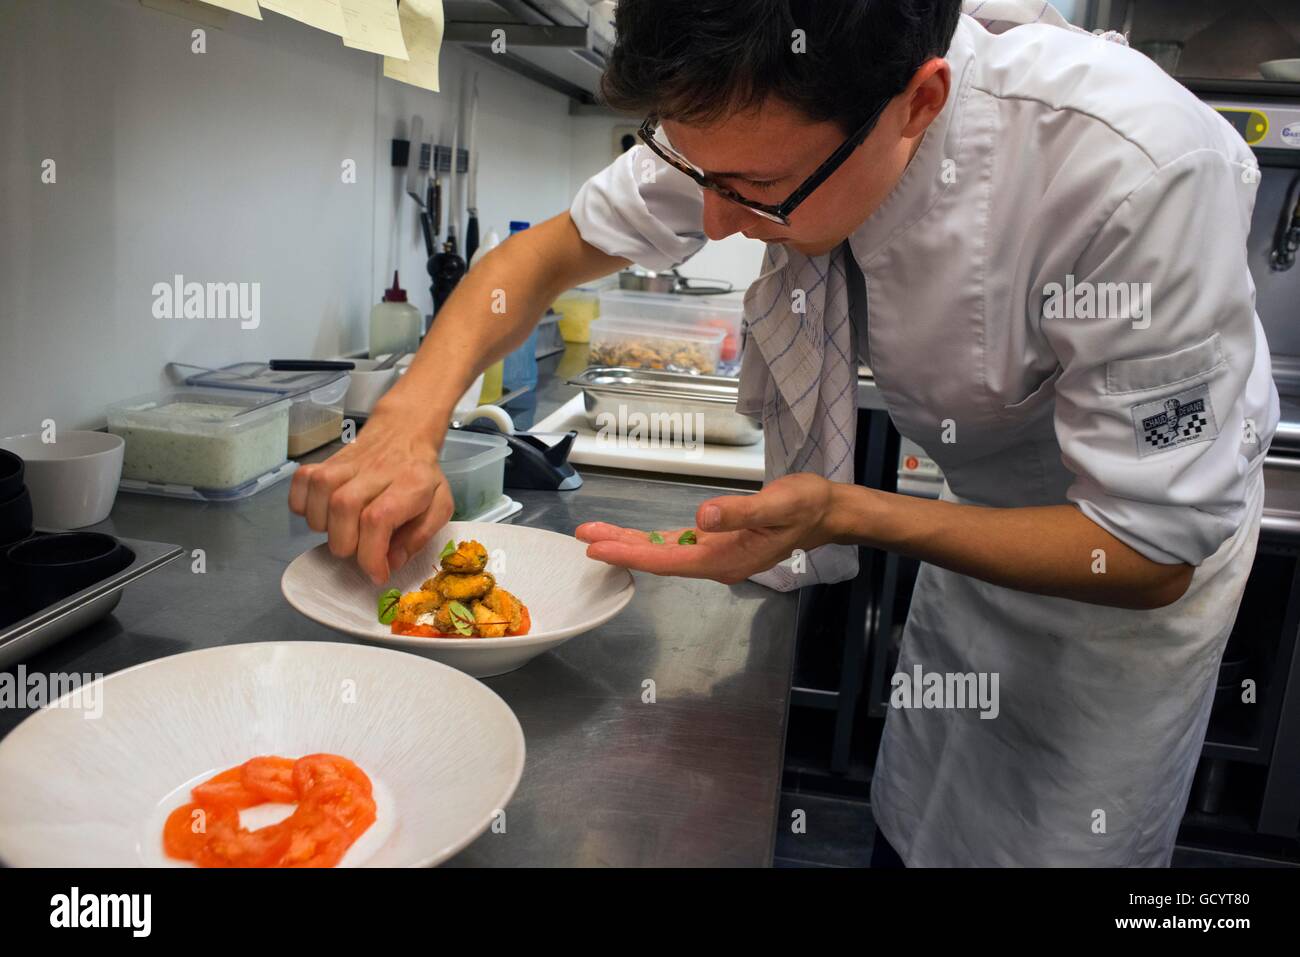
(776,212)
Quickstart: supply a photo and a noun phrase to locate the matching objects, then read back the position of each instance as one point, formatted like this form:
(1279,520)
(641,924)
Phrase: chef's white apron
(1100,717)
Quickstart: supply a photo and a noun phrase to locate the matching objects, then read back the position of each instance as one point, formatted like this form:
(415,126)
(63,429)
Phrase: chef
(1037,241)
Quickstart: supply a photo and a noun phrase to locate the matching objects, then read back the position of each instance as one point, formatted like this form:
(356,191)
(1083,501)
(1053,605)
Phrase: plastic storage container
(213,440)
(316,416)
(698,312)
(475,466)
(580,307)
(675,347)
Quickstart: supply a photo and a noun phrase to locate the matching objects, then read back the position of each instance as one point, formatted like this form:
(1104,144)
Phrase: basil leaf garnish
(687,537)
(388,606)
(462,619)
(447,550)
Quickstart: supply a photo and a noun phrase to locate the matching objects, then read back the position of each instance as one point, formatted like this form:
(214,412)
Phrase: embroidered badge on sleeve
(1174,421)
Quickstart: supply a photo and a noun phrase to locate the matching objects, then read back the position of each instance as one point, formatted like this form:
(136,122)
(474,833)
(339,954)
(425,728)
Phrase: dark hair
(697,60)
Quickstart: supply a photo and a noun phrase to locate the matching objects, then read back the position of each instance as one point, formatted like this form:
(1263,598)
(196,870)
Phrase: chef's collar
(925,180)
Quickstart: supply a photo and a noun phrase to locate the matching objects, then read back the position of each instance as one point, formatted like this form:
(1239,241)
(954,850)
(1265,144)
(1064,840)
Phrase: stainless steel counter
(692,779)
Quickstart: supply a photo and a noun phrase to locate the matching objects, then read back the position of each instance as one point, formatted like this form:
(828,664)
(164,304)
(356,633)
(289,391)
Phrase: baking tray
(621,392)
(40,630)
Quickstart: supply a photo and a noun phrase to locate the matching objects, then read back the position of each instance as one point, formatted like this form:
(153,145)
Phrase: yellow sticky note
(374,26)
(247,7)
(324,15)
(422,31)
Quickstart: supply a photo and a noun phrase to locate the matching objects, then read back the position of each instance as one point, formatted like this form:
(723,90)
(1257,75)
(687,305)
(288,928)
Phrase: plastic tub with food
(202,438)
(643,345)
(701,313)
(475,467)
(316,417)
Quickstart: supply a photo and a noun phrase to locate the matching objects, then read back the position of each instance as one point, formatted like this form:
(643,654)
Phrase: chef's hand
(382,497)
(738,535)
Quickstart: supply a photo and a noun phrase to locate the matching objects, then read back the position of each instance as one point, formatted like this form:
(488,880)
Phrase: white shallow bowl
(443,752)
(566,592)
(73,480)
(1288,70)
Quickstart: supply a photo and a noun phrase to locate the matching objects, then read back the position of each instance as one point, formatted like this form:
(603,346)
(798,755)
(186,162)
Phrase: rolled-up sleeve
(1165,401)
(641,209)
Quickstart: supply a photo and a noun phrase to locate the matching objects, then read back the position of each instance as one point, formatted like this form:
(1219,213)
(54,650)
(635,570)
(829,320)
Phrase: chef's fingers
(298,488)
(322,480)
(603,531)
(733,512)
(415,534)
(344,507)
(686,561)
(408,497)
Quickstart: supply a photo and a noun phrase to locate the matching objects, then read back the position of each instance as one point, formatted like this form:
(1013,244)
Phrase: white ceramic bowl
(443,752)
(1288,70)
(72,480)
(366,386)
(566,592)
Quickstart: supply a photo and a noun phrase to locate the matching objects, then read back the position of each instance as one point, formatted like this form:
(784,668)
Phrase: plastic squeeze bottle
(395,324)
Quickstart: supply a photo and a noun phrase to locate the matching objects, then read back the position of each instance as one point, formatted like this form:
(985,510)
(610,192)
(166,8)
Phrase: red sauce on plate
(334,808)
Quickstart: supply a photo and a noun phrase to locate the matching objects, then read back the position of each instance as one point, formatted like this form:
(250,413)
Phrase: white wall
(224,167)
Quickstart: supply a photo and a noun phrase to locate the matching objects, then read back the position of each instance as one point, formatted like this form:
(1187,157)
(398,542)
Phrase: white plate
(443,751)
(566,592)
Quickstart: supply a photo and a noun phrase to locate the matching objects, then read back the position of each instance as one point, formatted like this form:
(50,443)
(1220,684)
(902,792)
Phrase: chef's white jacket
(1060,310)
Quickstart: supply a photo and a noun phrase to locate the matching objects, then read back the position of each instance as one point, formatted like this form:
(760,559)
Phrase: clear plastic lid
(636,328)
(197,411)
(469,451)
(326,387)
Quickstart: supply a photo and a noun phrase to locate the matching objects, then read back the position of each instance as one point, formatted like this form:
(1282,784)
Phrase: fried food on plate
(461,600)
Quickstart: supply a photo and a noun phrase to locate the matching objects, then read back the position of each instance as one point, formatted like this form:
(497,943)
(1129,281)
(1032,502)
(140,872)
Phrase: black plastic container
(15,517)
(48,568)
(12,470)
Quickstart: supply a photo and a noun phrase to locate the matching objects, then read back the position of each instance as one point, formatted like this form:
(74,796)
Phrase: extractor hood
(561,44)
